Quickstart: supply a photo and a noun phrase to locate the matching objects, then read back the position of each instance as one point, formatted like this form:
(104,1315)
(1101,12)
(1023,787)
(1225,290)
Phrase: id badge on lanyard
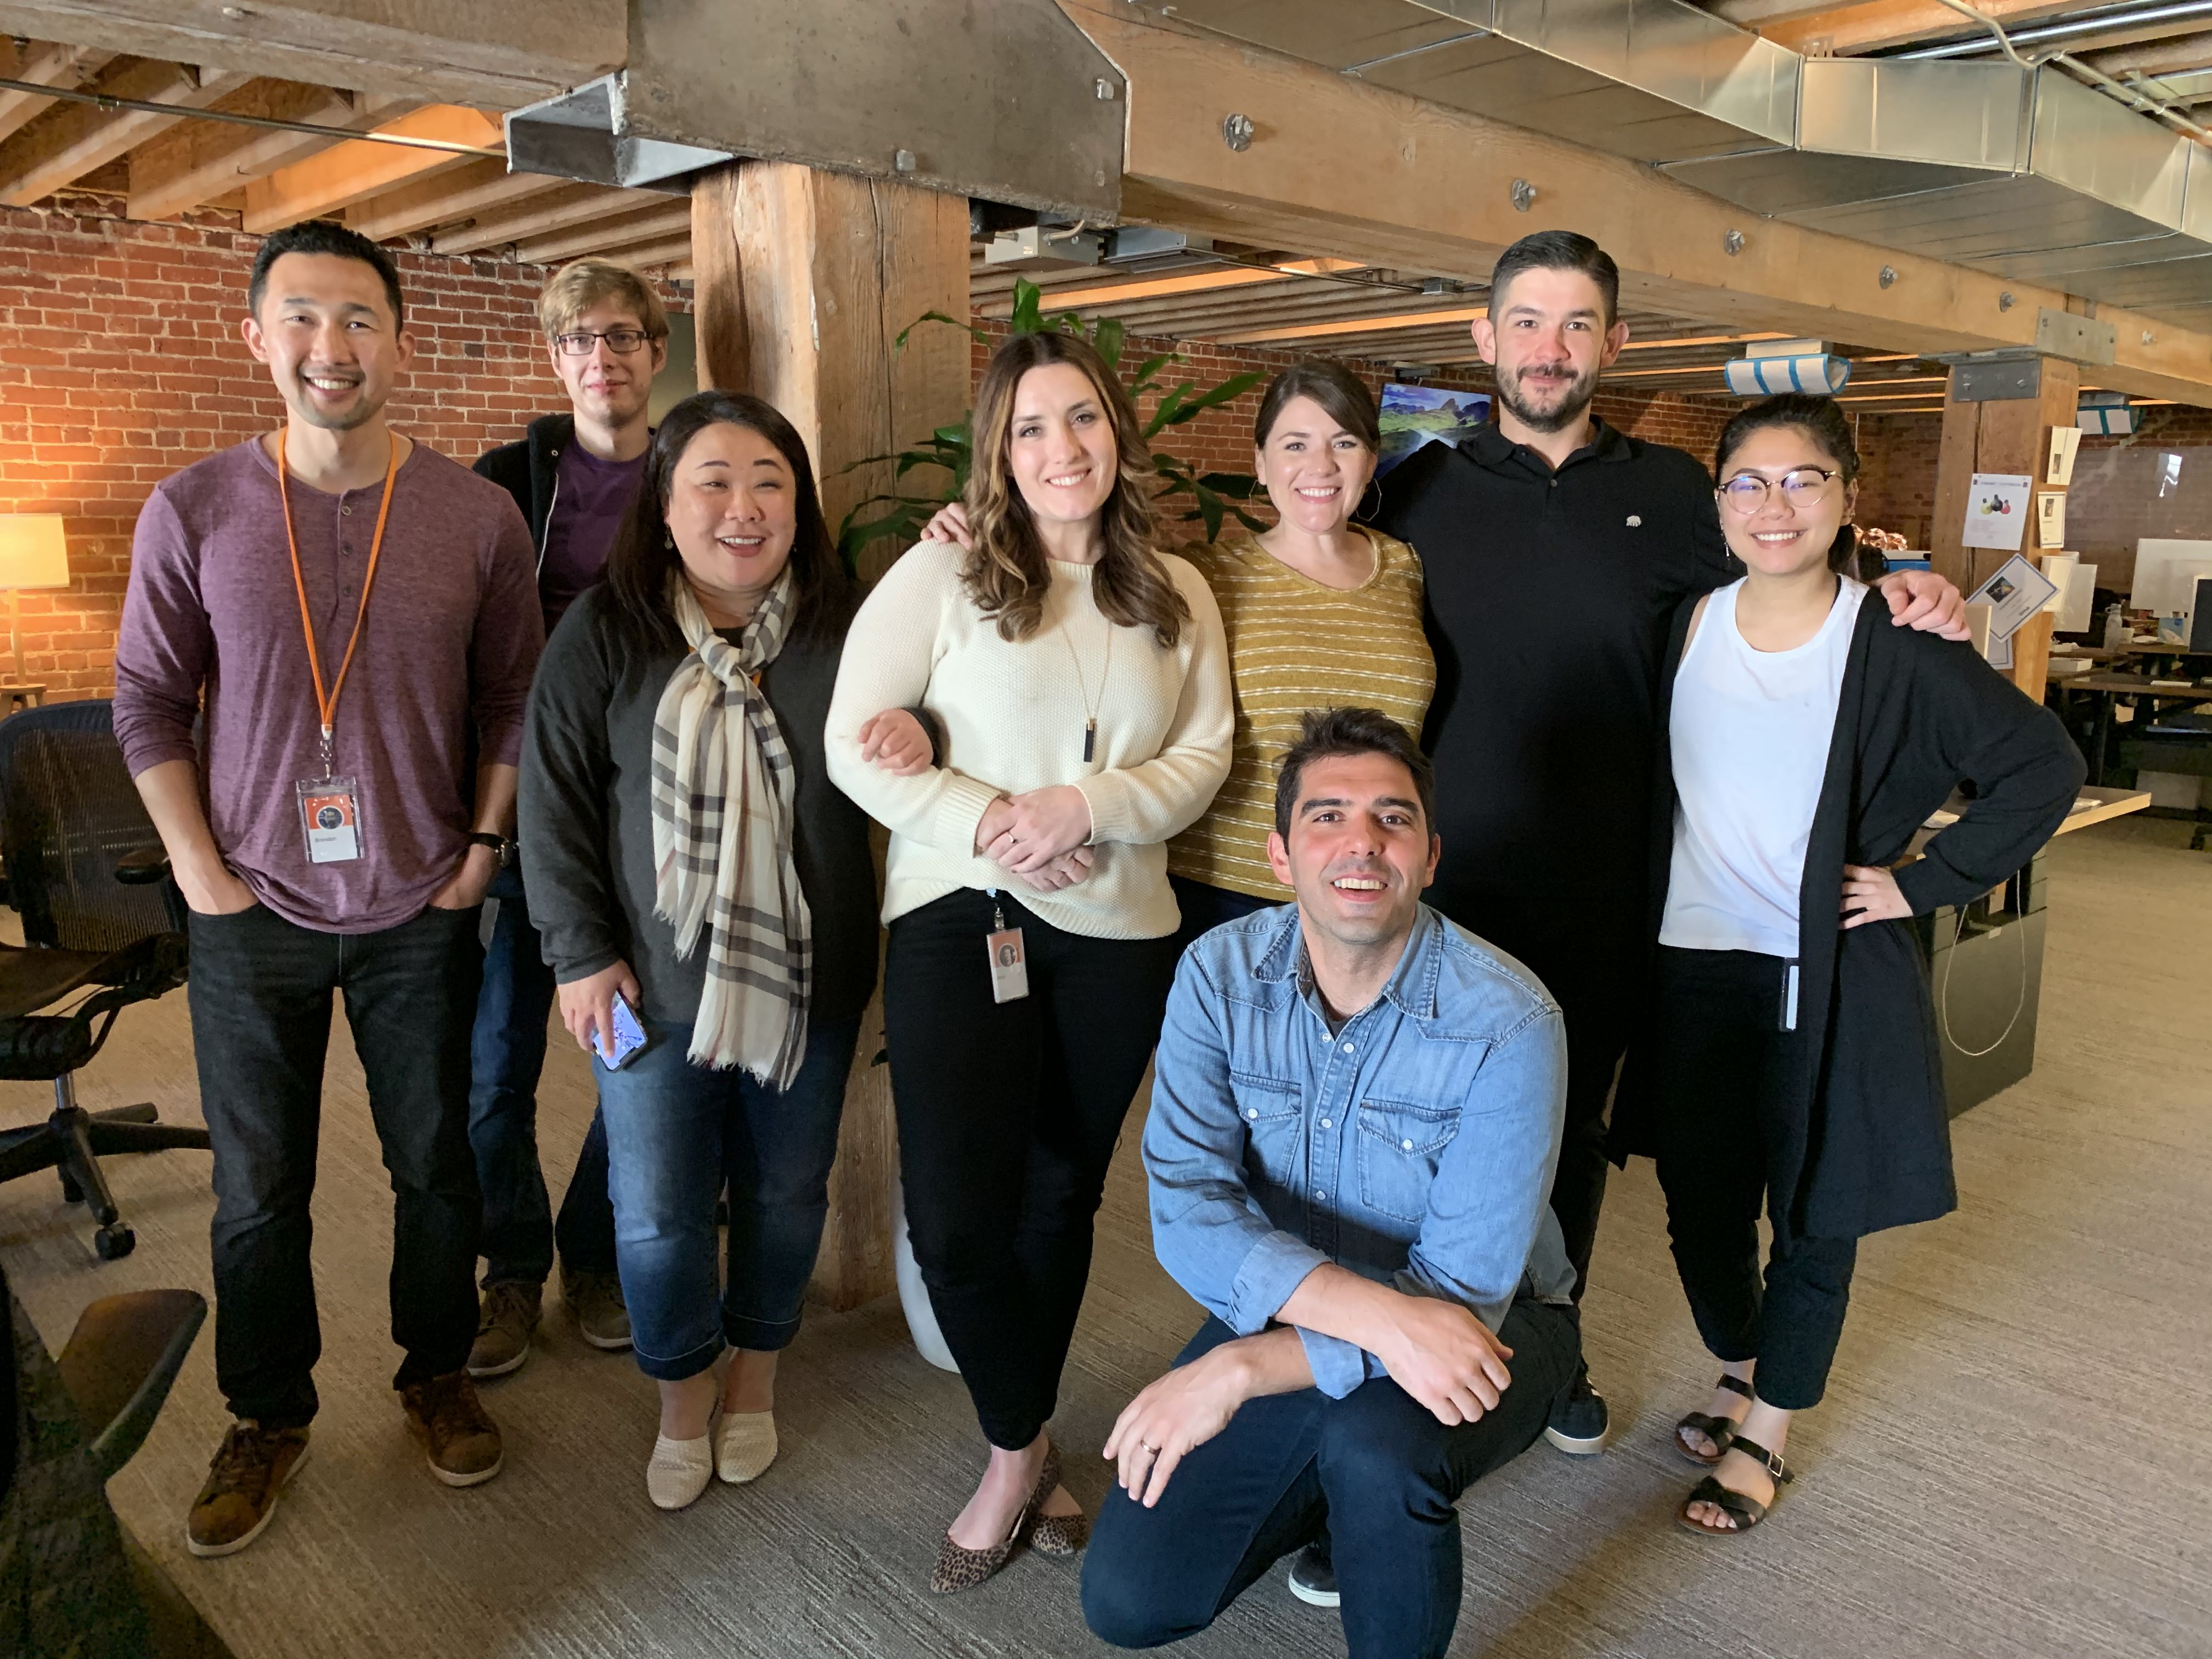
(1010,966)
(330,806)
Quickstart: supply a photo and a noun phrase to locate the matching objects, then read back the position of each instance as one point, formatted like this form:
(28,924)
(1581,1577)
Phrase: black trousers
(1375,1468)
(1721,1058)
(1008,1114)
(260,993)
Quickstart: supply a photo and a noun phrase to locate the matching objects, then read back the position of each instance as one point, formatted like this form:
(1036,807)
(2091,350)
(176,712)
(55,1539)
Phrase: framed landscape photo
(1417,414)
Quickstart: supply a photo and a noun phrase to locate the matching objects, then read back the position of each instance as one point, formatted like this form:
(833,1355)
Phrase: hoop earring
(1362,513)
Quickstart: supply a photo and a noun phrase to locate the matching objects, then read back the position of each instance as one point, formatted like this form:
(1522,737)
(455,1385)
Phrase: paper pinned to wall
(2015,593)
(2065,442)
(2050,520)
(1997,511)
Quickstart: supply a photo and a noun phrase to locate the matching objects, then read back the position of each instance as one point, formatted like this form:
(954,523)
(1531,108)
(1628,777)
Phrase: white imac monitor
(2165,575)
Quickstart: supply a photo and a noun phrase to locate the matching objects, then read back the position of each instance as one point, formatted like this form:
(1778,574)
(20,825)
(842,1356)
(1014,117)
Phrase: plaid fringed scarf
(722,786)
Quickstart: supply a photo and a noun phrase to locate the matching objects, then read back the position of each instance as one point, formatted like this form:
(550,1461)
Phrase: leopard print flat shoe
(959,1568)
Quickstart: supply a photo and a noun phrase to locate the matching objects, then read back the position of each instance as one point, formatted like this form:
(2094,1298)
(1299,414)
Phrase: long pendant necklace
(1082,691)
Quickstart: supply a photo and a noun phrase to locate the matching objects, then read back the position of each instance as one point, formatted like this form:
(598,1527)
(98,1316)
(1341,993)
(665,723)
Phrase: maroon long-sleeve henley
(452,639)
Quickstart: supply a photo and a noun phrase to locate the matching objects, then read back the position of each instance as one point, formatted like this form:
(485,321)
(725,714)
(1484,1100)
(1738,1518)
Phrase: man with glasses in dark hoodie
(574,477)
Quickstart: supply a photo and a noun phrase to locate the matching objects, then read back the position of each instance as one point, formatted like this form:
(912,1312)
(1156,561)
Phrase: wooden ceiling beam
(1341,166)
(644,222)
(2182,51)
(59,148)
(349,173)
(197,161)
(488,52)
(669,251)
(542,214)
(447,199)
(48,64)
(1860,26)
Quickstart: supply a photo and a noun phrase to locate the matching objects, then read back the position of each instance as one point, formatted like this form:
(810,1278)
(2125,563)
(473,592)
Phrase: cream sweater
(1012,719)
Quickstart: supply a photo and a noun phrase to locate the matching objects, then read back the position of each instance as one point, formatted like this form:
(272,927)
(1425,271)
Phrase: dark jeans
(1375,1468)
(677,1133)
(1206,907)
(1718,1067)
(1007,1116)
(507,1054)
(260,997)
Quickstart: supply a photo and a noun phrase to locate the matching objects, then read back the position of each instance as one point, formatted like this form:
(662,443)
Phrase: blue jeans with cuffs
(675,1134)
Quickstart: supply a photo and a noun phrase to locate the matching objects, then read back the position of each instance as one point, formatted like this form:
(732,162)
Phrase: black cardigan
(587,817)
(1869,1146)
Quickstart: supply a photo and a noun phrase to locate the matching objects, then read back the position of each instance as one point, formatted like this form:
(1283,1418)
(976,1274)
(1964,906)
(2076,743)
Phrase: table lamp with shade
(33,553)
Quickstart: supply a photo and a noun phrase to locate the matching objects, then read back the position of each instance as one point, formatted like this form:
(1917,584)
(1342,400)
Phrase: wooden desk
(21,697)
(2112,803)
(2110,688)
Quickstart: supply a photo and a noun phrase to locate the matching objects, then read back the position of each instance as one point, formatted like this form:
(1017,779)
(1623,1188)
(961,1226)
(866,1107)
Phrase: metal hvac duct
(2025,173)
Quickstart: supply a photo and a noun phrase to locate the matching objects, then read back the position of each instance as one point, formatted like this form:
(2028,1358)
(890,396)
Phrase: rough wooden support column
(2004,434)
(805,279)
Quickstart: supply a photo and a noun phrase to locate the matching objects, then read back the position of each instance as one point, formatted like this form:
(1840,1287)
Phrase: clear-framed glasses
(620,341)
(1802,487)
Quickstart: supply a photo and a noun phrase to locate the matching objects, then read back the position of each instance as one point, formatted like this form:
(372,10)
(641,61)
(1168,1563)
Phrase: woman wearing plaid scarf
(695,877)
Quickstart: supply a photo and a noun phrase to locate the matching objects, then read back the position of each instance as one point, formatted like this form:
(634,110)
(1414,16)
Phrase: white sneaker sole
(476,1479)
(217,1552)
(479,1372)
(604,1344)
(1314,1598)
(1575,1448)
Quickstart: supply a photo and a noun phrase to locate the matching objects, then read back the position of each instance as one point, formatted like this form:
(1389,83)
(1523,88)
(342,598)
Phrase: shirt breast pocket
(1400,1144)
(1274,1116)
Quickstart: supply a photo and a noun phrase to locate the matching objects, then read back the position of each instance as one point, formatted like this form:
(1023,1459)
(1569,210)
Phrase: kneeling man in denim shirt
(1355,1120)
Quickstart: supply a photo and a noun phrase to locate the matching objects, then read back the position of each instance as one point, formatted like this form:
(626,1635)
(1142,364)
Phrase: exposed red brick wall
(2114,500)
(1897,473)
(1220,440)
(123,363)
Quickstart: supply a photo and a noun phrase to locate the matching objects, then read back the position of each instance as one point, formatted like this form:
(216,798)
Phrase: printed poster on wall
(1997,510)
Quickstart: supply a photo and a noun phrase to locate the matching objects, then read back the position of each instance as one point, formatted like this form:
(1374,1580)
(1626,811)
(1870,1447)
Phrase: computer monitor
(2167,572)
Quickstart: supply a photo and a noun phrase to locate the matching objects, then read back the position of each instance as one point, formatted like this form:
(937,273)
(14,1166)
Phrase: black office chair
(65,1426)
(87,873)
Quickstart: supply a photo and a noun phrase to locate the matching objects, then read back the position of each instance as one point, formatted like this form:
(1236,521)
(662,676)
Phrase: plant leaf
(899,343)
(1107,335)
(1025,319)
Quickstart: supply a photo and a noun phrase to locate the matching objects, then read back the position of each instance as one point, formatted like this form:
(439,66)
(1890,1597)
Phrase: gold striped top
(1295,644)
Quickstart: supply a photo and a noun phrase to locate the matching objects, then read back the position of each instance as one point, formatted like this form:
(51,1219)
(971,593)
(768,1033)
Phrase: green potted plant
(901,512)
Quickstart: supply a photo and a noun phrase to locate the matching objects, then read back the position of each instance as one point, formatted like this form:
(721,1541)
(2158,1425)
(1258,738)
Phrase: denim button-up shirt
(1414,1145)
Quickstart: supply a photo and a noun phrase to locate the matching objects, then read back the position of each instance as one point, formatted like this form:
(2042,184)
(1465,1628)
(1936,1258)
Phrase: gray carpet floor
(2012,1459)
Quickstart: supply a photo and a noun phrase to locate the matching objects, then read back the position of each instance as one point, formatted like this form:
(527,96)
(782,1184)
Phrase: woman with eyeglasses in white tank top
(1789,1059)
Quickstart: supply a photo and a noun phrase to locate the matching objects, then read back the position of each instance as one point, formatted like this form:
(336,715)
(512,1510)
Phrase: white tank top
(1750,732)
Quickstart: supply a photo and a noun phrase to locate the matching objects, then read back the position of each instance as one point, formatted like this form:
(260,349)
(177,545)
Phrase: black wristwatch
(503,845)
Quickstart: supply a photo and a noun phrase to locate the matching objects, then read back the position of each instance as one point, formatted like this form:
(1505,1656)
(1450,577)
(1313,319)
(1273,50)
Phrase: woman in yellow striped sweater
(1320,613)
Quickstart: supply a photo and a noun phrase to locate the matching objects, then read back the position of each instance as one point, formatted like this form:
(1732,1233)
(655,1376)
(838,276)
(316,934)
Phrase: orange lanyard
(326,702)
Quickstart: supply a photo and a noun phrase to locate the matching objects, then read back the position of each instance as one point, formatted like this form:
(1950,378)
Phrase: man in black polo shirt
(1557,548)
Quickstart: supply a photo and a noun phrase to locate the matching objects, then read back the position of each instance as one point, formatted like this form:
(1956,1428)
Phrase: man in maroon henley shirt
(449,634)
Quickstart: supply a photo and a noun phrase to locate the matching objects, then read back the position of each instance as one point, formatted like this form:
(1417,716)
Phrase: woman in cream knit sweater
(1080,688)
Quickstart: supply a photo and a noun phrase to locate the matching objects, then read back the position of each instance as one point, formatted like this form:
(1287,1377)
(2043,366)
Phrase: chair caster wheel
(113,1242)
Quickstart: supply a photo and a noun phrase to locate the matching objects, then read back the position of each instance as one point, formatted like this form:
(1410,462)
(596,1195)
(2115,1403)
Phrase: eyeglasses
(620,341)
(1801,486)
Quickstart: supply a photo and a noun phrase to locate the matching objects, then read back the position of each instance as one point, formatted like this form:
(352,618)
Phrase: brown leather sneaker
(507,1315)
(596,1299)
(249,1468)
(462,1440)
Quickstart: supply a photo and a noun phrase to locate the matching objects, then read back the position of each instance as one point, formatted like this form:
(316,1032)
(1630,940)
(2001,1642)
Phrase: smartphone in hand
(629,1036)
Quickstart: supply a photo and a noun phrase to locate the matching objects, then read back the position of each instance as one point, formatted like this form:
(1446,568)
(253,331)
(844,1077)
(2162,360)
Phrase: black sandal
(1721,1431)
(1748,1512)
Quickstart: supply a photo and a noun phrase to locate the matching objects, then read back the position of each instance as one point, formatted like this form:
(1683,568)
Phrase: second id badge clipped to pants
(1009,966)
(330,811)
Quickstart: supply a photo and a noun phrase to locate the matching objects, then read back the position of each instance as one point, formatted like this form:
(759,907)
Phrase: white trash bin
(914,1295)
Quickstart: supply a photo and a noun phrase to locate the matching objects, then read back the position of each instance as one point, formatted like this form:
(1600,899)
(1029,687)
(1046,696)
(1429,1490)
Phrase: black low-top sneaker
(1313,1576)
(1580,1420)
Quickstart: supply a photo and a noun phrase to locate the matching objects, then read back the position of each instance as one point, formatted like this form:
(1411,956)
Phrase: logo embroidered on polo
(1635,521)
